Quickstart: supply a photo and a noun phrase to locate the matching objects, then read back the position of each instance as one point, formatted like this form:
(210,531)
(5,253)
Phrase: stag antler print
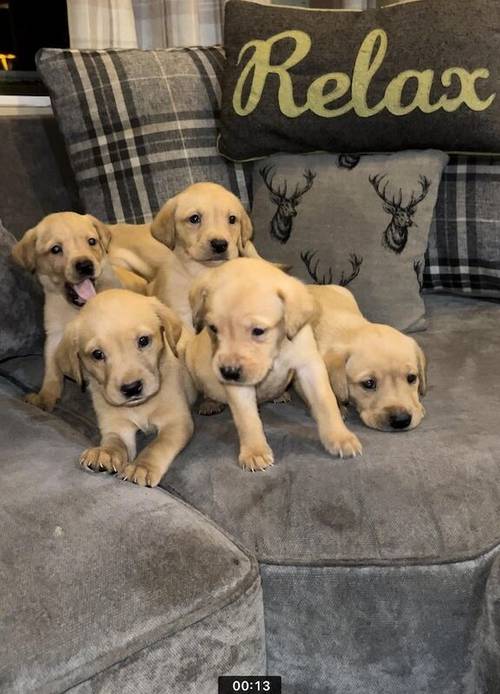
(312,265)
(356,263)
(282,221)
(395,236)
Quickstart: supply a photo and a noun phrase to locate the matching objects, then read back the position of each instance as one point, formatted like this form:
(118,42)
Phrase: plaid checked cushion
(139,126)
(463,255)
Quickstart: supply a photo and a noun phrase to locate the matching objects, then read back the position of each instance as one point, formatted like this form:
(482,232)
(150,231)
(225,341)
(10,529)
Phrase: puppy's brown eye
(195,219)
(92,242)
(258,331)
(213,329)
(56,249)
(143,341)
(411,378)
(369,384)
(98,355)
(232,219)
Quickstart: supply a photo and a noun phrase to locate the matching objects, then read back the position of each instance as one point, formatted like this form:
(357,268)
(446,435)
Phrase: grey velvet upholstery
(21,305)
(107,587)
(424,496)
(75,406)
(380,574)
(37,175)
(380,629)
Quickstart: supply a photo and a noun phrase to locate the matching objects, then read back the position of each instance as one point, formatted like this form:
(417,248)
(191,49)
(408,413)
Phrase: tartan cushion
(463,255)
(139,126)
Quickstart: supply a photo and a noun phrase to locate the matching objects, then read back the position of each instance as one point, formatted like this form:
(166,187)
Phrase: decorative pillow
(414,75)
(362,222)
(139,126)
(463,255)
(21,306)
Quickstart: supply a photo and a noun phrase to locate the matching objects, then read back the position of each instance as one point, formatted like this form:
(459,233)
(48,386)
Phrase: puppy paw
(143,473)
(283,399)
(344,444)
(209,407)
(42,401)
(102,458)
(254,459)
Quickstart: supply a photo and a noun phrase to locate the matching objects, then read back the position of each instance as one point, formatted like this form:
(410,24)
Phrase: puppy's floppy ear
(24,252)
(67,357)
(163,225)
(102,231)
(335,363)
(197,300)
(246,233)
(170,322)
(422,370)
(299,305)
(247,250)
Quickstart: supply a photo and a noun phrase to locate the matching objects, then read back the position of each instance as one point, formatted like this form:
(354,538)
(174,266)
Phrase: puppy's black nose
(401,420)
(131,390)
(85,268)
(230,373)
(219,245)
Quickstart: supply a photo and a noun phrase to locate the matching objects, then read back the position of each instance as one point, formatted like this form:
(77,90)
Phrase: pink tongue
(85,290)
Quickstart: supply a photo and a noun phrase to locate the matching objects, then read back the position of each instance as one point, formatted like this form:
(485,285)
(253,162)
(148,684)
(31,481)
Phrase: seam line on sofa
(256,584)
(382,564)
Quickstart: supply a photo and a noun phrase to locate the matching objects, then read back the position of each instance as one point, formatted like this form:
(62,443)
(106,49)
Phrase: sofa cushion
(21,305)
(423,496)
(139,125)
(417,74)
(75,406)
(365,225)
(463,256)
(107,586)
(37,175)
(397,630)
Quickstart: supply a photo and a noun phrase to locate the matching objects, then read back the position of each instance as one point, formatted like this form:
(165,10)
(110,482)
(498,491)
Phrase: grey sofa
(375,575)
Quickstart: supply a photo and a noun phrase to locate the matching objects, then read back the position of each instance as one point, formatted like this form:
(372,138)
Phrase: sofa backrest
(36,175)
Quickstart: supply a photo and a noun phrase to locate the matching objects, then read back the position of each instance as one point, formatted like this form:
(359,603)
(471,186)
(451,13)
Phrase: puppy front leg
(113,453)
(52,385)
(313,381)
(153,462)
(255,453)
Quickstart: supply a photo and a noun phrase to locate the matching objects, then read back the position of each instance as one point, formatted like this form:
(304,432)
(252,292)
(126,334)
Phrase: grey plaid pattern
(140,126)
(463,255)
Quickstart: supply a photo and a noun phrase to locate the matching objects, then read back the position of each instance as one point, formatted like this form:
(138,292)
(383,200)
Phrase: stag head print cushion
(359,221)
(418,74)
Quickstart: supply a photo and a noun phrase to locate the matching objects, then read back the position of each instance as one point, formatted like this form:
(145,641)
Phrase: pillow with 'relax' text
(421,74)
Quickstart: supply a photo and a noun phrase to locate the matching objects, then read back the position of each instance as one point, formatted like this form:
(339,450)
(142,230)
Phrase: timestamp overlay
(254,684)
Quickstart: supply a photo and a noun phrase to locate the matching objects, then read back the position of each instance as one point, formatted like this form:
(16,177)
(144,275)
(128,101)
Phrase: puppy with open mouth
(68,253)
(378,369)
(254,338)
(125,346)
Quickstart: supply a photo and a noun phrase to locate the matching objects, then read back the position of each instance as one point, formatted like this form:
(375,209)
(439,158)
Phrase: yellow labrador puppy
(204,226)
(68,253)
(134,248)
(125,344)
(375,367)
(255,339)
